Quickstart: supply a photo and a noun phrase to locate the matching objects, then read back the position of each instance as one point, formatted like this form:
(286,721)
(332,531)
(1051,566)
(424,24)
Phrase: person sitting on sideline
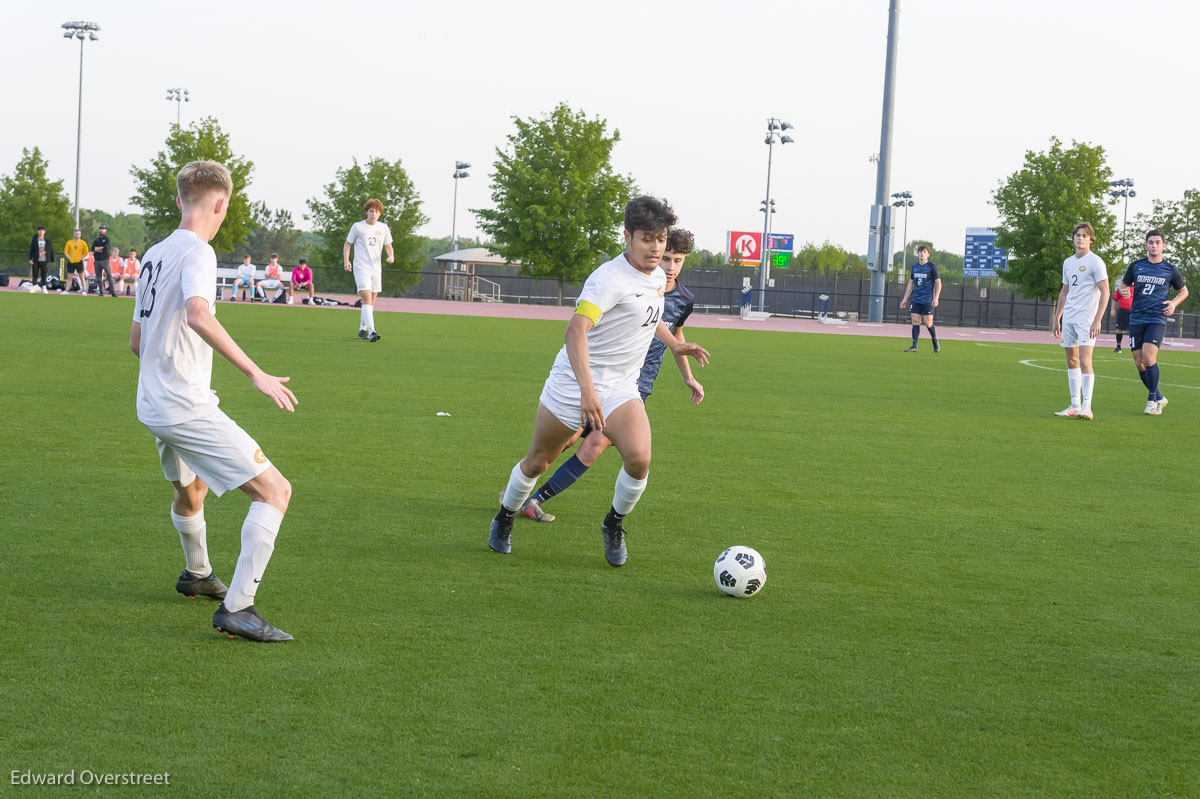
(244,280)
(272,282)
(302,278)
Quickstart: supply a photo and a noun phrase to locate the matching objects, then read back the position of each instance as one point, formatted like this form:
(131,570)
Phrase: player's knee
(637,464)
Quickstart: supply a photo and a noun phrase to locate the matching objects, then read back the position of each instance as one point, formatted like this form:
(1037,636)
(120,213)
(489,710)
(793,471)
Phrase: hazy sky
(304,87)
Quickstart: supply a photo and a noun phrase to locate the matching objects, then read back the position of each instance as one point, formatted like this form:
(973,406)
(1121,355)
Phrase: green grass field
(967,596)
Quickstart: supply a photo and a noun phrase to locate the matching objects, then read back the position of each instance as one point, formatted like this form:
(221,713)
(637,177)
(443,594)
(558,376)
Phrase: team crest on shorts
(259,457)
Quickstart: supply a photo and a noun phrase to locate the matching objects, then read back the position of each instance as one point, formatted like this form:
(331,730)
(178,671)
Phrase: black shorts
(1146,333)
(1122,319)
(74,267)
(921,308)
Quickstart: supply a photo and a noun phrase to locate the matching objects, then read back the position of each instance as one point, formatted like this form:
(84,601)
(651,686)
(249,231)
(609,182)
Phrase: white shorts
(368,279)
(560,396)
(271,284)
(1076,335)
(214,448)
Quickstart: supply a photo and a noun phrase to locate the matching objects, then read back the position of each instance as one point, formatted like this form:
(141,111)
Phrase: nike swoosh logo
(638,294)
(258,581)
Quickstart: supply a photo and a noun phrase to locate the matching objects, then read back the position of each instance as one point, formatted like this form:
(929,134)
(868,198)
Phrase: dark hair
(41,227)
(275,255)
(648,213)
(1156,232)
(680,241)
(244,257)
(303,262)
(925,248)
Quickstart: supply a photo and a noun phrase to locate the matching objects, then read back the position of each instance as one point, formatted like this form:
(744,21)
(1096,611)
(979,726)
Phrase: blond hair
(200,178)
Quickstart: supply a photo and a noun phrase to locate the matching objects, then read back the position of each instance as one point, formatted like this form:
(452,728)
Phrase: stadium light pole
(903,199)
(180,96)
(1188,194)
(1124,188)
(775,130)
(879,244)
(460,171)
(79,30)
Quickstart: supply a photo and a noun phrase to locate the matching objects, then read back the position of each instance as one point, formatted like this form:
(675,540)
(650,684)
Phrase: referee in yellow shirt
(76,250)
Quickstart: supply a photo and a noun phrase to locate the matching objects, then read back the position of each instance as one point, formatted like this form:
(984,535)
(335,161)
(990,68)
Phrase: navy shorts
(921,308)
(1122,319)
(1146,333)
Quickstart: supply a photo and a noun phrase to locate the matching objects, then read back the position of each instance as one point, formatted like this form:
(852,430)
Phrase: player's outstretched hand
(274,388)
(694,350)
(593,411)
(1168,308)
(697,391)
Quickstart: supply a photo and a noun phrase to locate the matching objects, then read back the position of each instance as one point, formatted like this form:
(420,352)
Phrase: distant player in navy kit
(1151,280)
(924,287)
(1082,303)
(677,306)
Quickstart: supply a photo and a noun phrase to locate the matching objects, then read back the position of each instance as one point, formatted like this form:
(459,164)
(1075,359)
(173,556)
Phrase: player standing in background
(174,333)
(677,306)
(1082,303)
(594,378)
(368,238)
(1122,302)
(1151,280)
(76,251)
(925,288)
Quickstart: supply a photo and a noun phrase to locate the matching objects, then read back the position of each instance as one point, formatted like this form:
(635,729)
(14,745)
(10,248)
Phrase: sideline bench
(227,275)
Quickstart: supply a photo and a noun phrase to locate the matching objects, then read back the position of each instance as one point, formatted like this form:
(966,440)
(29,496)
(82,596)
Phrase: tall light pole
(180,96)
(1123,188)
(460,171)
(775,129)
(903,199)
(79,30)
(879,246)
(1188,194)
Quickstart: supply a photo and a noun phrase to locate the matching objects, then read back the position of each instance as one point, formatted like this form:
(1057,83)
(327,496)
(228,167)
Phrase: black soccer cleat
(374,337)
(615,551)
(192,586)
(500,534)
(937,348)
(247,624)
(912,349)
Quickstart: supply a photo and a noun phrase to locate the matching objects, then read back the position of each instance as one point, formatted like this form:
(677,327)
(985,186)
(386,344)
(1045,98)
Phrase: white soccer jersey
(175,373)
(1082,276)
(246,271)
(630,303)
(368,242)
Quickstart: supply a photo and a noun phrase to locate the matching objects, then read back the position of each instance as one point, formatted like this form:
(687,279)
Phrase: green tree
(558,205)
(273,231)
(333,217)
(29,198)
(703,259)
(947,262)
(827,258)
(1041,202)
(155,189)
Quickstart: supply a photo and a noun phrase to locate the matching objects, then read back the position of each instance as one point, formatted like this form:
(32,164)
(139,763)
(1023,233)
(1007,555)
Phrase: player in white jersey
(174,333)
(369,238)
(1081,307)
(594,377)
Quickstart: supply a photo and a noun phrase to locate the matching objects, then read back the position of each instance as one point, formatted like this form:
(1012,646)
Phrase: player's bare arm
(346,256)
(937,291)
(685,369)
(1058,311)
(135,338)
(577,352)
(214,334)
(1170,305)
(1100,309)
(679,348)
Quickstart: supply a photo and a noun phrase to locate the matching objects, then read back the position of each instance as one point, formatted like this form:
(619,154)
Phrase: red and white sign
(744,245)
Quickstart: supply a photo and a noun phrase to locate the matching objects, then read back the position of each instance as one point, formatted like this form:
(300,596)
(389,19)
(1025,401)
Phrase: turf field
(967,596)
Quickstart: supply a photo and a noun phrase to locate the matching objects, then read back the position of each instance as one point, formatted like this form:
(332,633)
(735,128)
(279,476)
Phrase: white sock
(628,492)
(369,317)
(518,489)
(258,542)
(193,536)
(1074,379)
(362,318)
(1089,381)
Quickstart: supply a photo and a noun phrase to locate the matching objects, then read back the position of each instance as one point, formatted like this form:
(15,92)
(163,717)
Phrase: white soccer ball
(740,572)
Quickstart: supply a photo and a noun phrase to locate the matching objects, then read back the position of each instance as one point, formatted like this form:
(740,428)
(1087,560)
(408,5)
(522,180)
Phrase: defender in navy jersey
(1150,280)
(924,287)
(677,307)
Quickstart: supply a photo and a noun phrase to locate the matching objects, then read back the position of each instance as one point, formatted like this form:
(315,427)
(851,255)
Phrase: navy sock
(916,333)
(1145,377)
(562,479)
(933,334)
(613,518)
(1152,382)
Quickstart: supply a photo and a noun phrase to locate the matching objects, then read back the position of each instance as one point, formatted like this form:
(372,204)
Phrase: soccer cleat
(1153,408)
(374,337)
(500,534)
(363,334)
(1084,413)
(937,348)
(913,348)
(532,510)
(192,586)
(248,624)
(614,544)
(1162,403)
(1072,411)
(1117,348)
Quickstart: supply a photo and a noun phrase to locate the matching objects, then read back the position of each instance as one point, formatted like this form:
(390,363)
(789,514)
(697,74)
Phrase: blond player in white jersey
(1082,304)
(174,333)
(369,238)
(594,377)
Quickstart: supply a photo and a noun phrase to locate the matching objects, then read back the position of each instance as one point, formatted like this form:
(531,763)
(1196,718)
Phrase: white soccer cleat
(1071,412)
(1153,408)
(1162,403)
(1084,413)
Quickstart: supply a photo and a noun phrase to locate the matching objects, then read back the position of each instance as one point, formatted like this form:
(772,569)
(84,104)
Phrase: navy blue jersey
(922,277)
(1152,284)
(677,307)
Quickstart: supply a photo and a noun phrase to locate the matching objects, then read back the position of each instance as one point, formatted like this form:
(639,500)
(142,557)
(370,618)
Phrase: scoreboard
(981,258)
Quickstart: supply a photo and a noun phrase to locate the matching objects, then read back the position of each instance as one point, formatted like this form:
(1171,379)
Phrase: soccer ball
(740,572)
